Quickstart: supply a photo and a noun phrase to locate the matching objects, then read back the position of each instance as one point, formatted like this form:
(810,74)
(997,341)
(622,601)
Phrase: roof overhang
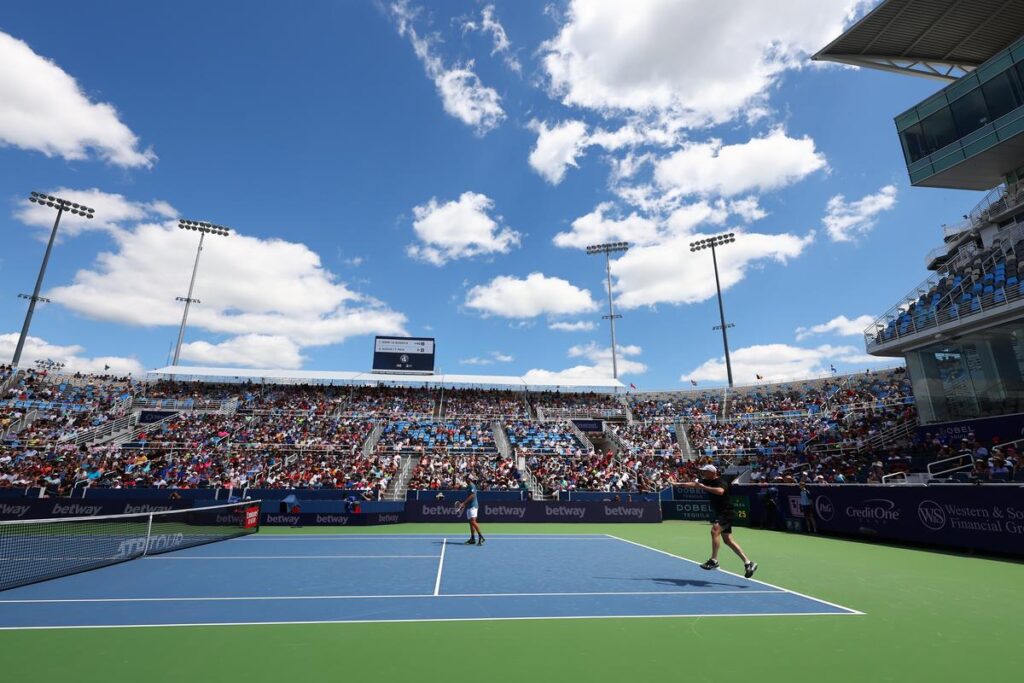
(277,376)
(937,39)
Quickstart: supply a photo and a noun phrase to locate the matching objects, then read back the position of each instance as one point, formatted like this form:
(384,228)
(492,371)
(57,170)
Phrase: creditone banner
(331,519)
(36,508)
(976,517)
(536,511)
(693,505)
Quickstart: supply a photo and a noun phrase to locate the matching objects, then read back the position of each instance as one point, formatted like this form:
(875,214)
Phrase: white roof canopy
(342,377)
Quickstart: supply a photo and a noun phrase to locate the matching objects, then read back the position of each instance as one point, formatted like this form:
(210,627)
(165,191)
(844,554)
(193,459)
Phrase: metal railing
(950,470)
(100,432)
(370,445)
(501,439)
(951,307)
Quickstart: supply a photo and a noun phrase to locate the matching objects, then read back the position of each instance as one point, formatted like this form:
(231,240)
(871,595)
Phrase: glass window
(969,112)
(937,131)
(913,143)
(1002,94)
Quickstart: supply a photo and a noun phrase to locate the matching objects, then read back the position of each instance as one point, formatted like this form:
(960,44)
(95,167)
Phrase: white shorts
(471,513)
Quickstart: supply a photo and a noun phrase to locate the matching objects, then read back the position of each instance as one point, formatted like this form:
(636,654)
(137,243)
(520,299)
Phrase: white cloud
(250,350)
(536,294)
(274,297)
(760,164)
(459,229)
(502,45)
(112,212)
(598,226)
(595,228)
(40,349)
(774,362)
(600,366)
(494,357)
(844,221)
(668,272)
(577,326)
(42,108)
(703,62)
(748,209)
(840,325)
(557,148)
(462,93)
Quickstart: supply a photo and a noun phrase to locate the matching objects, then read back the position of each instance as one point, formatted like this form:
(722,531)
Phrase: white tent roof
(343,377)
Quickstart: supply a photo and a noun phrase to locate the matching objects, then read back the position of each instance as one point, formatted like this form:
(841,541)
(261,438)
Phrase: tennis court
(336,578)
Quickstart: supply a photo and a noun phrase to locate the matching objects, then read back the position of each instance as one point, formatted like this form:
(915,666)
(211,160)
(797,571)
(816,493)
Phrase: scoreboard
(403,354)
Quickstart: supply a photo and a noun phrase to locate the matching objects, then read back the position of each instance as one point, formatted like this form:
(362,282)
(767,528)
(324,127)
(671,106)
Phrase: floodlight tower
(61,205)
(203,229)
(712,243)
(608,249)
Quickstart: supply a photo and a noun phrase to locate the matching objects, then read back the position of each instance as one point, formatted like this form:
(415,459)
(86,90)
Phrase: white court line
(257,598)
(440,566)
(158,558)
(415,621)
(424,537)
(725,571)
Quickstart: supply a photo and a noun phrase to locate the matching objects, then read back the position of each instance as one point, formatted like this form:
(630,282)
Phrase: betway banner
(989,518)
(35,508)
(331,519)
(536,511)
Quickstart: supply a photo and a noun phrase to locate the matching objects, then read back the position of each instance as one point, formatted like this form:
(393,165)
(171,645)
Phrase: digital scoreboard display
(403,354)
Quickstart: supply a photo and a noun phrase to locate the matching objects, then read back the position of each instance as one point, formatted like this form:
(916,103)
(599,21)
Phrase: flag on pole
(693,382)
(632,386)
(833,369)
(759,376)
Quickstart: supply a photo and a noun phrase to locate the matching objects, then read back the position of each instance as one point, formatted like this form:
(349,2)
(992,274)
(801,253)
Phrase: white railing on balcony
(950,307)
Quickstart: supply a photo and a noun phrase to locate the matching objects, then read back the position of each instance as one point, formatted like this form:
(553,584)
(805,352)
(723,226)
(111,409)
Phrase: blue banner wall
(536,511)
(987,518)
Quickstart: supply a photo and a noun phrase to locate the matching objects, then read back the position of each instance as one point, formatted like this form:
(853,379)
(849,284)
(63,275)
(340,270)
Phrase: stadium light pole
(61,205)
(203,228)
(608,249)
(712,243)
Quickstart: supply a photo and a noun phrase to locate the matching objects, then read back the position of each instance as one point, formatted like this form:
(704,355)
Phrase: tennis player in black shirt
(721,517)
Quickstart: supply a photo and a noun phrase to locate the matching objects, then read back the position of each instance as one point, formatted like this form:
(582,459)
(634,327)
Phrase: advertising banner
(693,505)
(989,518)
(536,511)
(36,508)
(331,519)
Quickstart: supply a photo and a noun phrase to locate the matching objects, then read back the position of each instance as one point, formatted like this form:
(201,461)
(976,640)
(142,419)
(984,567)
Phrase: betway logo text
(448,510)
(564,511)
(339,520)
(622,511)
(75,509)
(13,510)
(505,511)
(145,507)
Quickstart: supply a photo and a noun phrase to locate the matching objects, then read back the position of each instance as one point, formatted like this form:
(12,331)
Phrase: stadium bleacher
(852,428)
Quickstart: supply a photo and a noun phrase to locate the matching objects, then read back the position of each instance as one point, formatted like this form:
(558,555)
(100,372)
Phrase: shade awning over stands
(271,376)
(940,39)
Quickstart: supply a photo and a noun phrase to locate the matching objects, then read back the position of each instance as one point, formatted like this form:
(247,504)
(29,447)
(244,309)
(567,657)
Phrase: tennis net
(34,550)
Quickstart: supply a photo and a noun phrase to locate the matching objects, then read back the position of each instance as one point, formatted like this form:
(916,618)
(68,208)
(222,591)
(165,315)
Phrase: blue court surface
(279,579)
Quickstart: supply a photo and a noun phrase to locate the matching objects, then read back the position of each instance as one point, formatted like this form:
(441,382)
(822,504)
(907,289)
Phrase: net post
(149,534)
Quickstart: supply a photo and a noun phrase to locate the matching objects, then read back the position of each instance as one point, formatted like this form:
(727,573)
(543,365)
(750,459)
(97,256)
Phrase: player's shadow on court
(682,583)
(697,583)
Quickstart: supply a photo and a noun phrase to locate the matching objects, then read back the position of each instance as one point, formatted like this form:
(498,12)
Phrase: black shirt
(722,505)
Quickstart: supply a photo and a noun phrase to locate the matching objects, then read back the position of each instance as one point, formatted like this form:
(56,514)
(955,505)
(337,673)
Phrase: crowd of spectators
(530,436)
(447,471)
(558,404)
(462,436)
(478,403)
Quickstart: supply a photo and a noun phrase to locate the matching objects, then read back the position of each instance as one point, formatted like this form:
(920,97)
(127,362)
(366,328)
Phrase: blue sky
(436,171)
